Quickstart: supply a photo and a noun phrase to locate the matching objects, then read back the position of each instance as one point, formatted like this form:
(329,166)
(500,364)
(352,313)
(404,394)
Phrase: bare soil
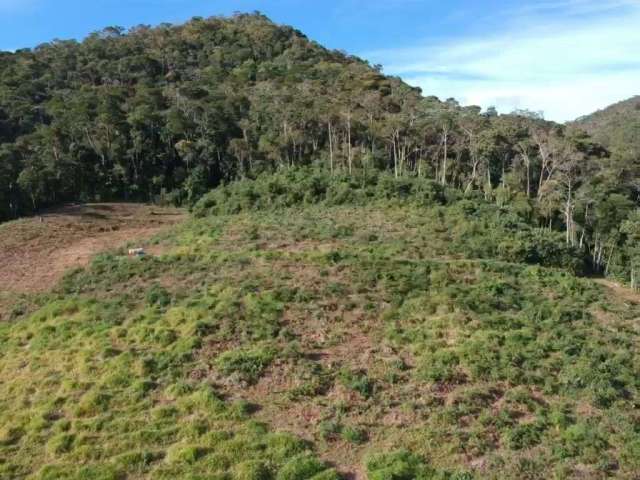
(619,291)
(36,252)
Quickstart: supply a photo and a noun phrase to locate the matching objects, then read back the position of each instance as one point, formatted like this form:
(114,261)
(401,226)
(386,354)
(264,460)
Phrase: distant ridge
(617,126)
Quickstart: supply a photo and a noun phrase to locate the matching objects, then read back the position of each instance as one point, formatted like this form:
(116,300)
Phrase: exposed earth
(35,252)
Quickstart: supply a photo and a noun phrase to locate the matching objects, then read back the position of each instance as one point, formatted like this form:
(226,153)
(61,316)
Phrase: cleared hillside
(35,252)
(376,329)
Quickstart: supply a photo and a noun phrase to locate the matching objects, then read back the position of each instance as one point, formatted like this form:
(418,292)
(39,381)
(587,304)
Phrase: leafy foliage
(299,187)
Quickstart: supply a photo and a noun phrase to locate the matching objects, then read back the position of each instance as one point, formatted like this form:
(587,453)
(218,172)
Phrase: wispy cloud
(565,57)
(574,7)
(14,6)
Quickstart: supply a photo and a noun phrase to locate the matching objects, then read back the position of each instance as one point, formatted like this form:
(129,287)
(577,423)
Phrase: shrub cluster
(307,186)
(479,229)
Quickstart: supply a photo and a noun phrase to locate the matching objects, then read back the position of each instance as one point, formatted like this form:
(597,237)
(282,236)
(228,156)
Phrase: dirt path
(623,293)
(36,252)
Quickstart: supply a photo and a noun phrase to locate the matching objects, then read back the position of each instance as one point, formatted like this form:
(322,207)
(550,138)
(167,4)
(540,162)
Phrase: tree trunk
(349,152)
(528,177)
(444,159)
(395,155)
(330,148)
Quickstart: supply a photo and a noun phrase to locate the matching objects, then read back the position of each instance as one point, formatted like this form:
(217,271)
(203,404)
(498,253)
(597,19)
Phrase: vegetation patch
(399,339)
(247,364)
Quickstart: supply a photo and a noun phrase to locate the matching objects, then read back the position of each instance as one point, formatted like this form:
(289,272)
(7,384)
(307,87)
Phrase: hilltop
(612,116)
(165,113)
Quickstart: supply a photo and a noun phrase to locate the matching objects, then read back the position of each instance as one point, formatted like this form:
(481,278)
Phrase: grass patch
(247,364)
(428,325)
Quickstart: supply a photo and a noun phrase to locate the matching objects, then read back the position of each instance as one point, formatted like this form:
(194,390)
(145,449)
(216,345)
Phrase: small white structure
(136,252)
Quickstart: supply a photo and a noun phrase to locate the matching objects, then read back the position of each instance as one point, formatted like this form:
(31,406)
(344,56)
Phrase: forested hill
(177,109)
(617,127)
(167,113)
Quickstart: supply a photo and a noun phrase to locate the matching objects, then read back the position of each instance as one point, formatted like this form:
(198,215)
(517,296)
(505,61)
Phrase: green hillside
(163,114)
(378,328)
(618,128)
(371,284)
(615,125)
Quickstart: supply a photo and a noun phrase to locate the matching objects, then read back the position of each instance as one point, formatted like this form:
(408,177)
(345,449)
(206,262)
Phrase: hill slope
(36,252)
(164,114)
(172,110)
(617,127)
(377,329)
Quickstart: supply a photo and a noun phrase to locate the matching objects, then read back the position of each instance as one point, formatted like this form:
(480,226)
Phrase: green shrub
(400,465)
(137,461)
(252,470)
(358,381)
(403,465)
(305,467)
(541,247)
(158,295)
(582,440)
(185,453)
(248,364)
(631,454)
(439,366)
(525,435)
(280,447)
(61,443)
(204,400)
(93,403)
(330,429)
(353,435)
(301,186)
(73,472)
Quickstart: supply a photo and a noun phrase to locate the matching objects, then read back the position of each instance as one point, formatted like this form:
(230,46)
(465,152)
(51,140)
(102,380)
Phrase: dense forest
(167,113)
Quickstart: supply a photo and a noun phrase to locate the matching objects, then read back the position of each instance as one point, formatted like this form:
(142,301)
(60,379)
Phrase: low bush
(440,366)
(353,435)
(247,364)
(525,435)
(358,381)
(306,467)
(308,186)
(403,465)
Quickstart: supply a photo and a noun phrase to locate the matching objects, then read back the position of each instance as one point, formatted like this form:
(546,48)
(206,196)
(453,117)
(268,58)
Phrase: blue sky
(563,57)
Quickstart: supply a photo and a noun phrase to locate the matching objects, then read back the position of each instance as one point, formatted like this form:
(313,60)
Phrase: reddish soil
(619,291)
(36,252)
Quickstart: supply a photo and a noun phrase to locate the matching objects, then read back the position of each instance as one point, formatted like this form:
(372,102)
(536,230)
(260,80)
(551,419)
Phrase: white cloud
(565,65)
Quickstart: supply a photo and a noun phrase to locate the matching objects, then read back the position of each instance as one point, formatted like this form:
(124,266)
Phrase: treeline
(166,113)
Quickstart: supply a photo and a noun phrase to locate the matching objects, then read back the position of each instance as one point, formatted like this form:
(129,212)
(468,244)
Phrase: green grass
(400,340)
(247,364)
(101,388)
